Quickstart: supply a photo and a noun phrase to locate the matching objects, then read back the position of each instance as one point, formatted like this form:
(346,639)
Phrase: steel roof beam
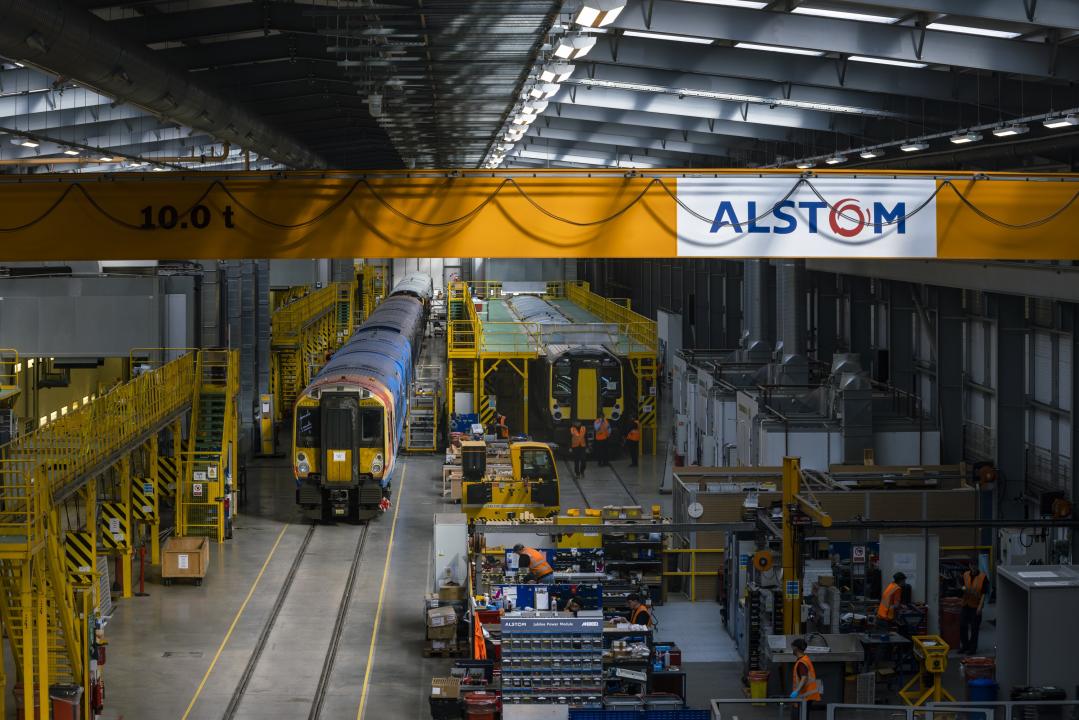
(824,72)
(673,152)
(615,99)
(870,103)
(588,157)
(850,37)
(626,141)
(1047,13)
(676,123)
(639,133)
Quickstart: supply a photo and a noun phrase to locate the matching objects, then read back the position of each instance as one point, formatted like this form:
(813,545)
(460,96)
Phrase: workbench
(831,666)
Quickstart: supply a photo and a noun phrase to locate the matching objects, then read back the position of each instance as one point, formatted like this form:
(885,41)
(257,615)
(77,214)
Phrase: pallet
(448,652)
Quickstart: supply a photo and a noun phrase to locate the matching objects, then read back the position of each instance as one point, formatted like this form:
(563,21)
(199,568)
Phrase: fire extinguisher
(97,695)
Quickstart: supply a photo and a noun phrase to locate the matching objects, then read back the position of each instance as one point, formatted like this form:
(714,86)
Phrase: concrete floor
(180,652)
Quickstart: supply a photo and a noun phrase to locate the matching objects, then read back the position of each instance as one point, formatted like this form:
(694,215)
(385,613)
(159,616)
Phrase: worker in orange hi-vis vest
(975,589)
(890,600)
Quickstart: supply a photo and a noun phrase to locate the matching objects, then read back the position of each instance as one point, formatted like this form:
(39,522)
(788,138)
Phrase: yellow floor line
(232,627)
(381,593)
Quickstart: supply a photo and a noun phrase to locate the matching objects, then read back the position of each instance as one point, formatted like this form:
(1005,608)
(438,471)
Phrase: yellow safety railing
(640,328)
(10,367)
(693,573)
(462,335)
(289,320)
(39,465)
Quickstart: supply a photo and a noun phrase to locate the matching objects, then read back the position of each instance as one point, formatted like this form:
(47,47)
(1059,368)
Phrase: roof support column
(950,373)
(901,337)
(1011,403)
(861,312)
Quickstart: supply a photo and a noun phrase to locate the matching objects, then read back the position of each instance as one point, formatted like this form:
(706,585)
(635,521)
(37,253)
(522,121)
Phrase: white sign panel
(772,217)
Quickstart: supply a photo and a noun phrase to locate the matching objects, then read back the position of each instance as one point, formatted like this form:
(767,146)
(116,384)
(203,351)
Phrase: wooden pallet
(455,651)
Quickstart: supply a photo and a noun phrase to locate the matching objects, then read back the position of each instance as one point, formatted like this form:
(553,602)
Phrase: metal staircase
(202,499)
(424,406)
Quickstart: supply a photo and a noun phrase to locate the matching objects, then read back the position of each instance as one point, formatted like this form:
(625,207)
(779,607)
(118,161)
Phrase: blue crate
(586,714)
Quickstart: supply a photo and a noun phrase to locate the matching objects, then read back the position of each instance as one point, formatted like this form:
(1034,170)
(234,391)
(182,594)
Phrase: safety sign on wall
(196,489)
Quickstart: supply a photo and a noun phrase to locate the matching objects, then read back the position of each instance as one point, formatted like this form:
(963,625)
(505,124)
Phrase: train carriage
(348,424)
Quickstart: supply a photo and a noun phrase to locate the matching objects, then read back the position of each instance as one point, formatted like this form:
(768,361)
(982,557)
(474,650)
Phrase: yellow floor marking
(232,627)
(381,592)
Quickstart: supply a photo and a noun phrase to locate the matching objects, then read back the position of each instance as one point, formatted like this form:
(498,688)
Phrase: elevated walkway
(480,342)
(304,333)
(78,488)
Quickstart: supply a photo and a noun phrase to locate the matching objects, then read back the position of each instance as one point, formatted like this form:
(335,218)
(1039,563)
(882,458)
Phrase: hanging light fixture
(556,72)
(544,91)
(571,47)
(599,13)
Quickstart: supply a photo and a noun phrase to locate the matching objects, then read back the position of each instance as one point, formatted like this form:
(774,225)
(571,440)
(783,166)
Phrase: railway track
(271,625)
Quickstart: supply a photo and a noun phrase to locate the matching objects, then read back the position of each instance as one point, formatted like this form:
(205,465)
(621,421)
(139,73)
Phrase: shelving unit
(550,659)
(637,554)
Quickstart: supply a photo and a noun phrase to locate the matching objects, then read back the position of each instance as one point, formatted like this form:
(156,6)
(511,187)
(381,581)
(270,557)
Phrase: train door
(340,420)
(587,396)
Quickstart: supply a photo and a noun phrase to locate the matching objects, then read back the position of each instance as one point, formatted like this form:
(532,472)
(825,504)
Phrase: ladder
(424,404)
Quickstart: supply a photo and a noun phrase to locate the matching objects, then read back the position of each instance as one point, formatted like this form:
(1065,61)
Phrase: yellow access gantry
(304,332)
(476,347)
(102,460)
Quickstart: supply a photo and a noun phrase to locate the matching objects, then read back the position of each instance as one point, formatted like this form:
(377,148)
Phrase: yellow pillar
(26,604)
(42,630)
(89,499)
(524,364)
(125,500)
(178,458)
(792,606)
(155,527)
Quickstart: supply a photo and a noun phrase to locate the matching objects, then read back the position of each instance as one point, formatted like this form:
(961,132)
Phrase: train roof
(417,284)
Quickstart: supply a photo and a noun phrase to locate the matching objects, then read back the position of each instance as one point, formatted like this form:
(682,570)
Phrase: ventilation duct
(68,40)
(755,303)
(855,408)
(790,307)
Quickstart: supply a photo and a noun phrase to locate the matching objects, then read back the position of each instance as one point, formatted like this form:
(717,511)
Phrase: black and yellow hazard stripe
(166,476)
(486,410)
(115,533)
(142,502)
(80,556)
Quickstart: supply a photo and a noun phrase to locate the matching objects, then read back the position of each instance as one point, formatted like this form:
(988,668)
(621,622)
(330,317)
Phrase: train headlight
(557,414)
(377,464)
(303,467)
(616,413)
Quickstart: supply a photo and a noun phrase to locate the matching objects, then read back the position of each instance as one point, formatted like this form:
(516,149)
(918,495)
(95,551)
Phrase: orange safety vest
(634,433)
(603,430)
(637,613)
(811,690)
(973,587)
(889,601)
(577,437)
(537,563)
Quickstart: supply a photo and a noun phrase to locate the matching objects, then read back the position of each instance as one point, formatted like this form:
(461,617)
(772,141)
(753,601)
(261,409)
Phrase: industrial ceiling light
(968,30)
(599,13)
(106,158)
(887,61)
(1061,121)
(751,4)
(778,49)
(535,107)
(25,142)
(965,138)
(664,36)
(914,146)
(1010,130)
(805,164)
(556,72)
(870,154)
(836,160)
(544,91)
(524,119)
(571,47)
(843,15)
(71,151)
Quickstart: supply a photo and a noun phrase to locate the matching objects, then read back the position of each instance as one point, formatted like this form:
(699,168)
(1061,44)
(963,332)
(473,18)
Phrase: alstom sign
(763,217)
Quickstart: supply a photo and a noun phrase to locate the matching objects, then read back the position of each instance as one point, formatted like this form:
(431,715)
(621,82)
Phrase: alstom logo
(847,218)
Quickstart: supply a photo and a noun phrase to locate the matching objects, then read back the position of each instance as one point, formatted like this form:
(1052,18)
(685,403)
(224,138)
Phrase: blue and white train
(349,423)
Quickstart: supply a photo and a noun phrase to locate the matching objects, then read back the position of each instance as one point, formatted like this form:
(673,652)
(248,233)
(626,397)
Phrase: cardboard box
(451,593)
(446,688)
(185,557)
(441,616)
(444,632)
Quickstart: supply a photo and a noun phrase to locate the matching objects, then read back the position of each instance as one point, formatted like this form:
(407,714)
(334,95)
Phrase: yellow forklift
(528,486)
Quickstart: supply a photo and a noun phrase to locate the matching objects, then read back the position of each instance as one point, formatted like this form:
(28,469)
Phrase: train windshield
(536,464)
(610,381)
(562,381)
(371,427)
(308,427)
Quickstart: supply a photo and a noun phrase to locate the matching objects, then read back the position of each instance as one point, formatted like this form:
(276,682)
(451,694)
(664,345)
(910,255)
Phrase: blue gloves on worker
(794,695)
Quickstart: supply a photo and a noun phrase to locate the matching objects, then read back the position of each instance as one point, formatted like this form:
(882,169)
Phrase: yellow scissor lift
(477,346)
(84,485)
